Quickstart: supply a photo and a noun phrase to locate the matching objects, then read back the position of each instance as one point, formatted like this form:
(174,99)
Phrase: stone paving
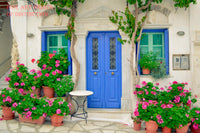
(77,126)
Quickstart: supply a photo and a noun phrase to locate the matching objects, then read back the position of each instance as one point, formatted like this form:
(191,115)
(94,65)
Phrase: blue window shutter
(139,69)
(69,58)
(44,41)
(167,49)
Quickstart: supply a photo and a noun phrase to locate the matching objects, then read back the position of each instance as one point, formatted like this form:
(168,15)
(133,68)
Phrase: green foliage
(195,114)
(30,107)
(8,97)
(53,61)
(149,60)
(57,104)
(160,71)
(63,85)
(147,92)
(183,3)
(70,27)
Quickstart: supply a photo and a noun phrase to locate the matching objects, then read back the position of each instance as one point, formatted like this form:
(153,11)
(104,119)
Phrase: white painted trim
(157,26)
(52,28)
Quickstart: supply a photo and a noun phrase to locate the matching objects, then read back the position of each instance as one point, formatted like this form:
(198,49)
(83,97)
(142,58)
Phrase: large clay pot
(29,120)
(35,92)
(195,130)
(145,71)
(57,120)
(151,126)
(7,113)
(48,92)
(183,129)
(137,126)
(166,130)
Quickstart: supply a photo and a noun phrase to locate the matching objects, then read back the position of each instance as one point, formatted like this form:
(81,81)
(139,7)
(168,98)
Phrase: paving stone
(113,127)
(4,131)
(108,131)
(27,129)
(77,128)
(61,128)
(95,131)
(90,126)
(46,128)
(121,132)
(13,126)
(27,124)
(3,125)
(102,123)
(12,121)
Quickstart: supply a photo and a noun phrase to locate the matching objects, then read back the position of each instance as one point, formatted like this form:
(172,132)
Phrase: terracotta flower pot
(183,129)
(151,126)
(49,92)
(35,92)
(57,120)
(136,126)
(166,130)
(195,130)
(7,113)
(145,71)
(29,120)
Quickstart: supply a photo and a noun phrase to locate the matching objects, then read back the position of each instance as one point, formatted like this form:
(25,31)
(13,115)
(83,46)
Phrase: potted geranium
(8,98)
(148,91)
(63,85)
(195,114)
(57,109)
(147,62)
(148,112)
(31,109)
(48,79)
(53,61)
(136,120)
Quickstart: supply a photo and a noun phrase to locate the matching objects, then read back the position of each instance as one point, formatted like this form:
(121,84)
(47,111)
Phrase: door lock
(105,72)
(95,73)
(112,73)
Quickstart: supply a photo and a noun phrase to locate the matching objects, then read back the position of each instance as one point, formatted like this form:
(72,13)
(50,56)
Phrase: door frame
(120,56)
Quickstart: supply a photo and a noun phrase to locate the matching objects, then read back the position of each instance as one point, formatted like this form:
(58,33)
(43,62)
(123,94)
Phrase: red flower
(33,60)
(161,62)
(38,61)
(51,55)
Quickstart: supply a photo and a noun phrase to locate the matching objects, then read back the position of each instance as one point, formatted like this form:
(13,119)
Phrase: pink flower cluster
(195,126)
(57,63)
(58,111)
(177,99)
(8,99)
(136,113)
(160,120)
(167,106)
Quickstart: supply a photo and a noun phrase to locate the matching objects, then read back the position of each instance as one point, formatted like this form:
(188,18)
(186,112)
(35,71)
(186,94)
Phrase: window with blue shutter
(157,41)
(53,40)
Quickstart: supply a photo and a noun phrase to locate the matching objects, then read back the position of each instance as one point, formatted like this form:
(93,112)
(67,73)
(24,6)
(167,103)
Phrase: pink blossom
(154,93)
(1,119)
(64,113)
(177,99)
(47,74)
(170,88)
(193,119)
(136,113)
(58,71)
(157,84)
(43,105)
(34,108)
(57,61)
(7,79)
(60,102)
(189,102)
(22,84)
(19,74)
(144,106)
(158,116)
(190,89)
(57,65)
(163,106)
(22,64)
(170,117)
(32,95)
(9,99)
(182,94)
(144,83)
(138,86)
(16,84)
(69,105)
(135,92)
(179,88)
(58,79)
(44,115)
(180,125)
(54,73)
(175,82)
(195,126)
(186,91)
(14,104)
(160,121)
(197,118)
(50,103)
(170,105)
(3,95)
(29,113)
(17,63)
(32,70)
(195,96)
(143,99)
(58,111)
(33,88)
(4,100)
(150,101)
(140,92)
(8,88)
(153,88)
(27,109)
(186,83)
(147,92)
(187,115)
(21,91)
(35,77)
(197,111)
(44,66)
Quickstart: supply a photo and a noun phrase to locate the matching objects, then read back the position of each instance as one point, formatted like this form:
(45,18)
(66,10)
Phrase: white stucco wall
(93,16)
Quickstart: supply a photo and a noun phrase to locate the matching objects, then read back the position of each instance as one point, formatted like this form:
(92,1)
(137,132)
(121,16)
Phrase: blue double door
(104,69)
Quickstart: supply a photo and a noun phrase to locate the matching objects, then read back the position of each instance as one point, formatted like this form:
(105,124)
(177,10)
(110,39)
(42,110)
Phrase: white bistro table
(81,98)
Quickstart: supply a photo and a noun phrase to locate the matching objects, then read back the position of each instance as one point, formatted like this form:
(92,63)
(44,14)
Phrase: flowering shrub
(61,86)
(195,113)
(148,61)
(53,61)
(9,97)
(57,106)
(31,107)
(147,92)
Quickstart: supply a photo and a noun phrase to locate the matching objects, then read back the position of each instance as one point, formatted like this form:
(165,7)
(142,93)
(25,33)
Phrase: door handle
(112,73)
(95,73)
(105,72)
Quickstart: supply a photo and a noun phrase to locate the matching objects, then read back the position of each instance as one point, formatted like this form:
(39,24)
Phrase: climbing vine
(132,26)
(68,7)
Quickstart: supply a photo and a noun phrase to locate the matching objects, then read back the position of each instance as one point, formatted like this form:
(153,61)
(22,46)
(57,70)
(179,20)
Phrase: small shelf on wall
(181,62)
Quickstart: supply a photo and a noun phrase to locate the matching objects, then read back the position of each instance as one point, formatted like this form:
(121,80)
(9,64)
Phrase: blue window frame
(52,40)
(156,40)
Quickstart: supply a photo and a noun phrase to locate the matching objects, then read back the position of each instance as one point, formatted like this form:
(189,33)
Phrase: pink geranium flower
(135,92)
(60,102)
(138,86)
(9,99)
(50,103)
(187,115)
(3,95)
(160,121)
(195,126)
(22,84)
(54,73)
(177,99)
(7,79)
(27,109)
(44,66)
(17,63)
(47,74)
(58,79)
(157,84)
(189,102)
(21,91)
(144,83)
(15,104)
(170,88)
(44,115)
(140,92)
(58,111)
(33,88)
(19,74)
(69,105)
(197,111)
(175,82)
(163,106)
(153,88)
(57,65)
(136,113)
(16,84)
(57,61)
(154,93)
(32,70)
(34,108)
(179,88)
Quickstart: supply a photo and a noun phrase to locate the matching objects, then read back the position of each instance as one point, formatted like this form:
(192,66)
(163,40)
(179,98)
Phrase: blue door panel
(104,81)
